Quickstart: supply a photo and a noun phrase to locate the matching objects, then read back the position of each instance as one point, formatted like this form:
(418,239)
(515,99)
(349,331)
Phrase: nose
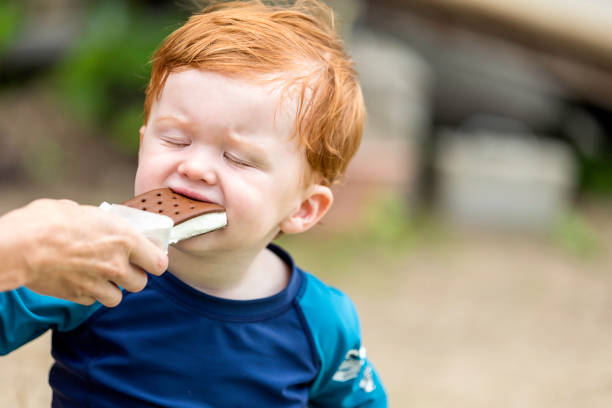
(198,167)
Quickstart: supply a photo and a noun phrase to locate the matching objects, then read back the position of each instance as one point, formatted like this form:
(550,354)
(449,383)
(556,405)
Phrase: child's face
(216,139)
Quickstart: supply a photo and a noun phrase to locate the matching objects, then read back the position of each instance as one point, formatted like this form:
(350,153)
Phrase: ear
(310,211)
(142,131)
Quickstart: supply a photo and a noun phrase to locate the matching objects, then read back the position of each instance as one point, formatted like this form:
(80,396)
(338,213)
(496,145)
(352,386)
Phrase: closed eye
(237,161)
(175,142)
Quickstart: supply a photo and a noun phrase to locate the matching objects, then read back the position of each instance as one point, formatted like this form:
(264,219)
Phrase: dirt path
(494,322)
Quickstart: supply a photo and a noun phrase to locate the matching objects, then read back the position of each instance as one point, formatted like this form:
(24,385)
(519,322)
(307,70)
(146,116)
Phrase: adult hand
(75,252)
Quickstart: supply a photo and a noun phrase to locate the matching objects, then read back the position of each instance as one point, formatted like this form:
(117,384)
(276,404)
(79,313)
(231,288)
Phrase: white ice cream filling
(197,226)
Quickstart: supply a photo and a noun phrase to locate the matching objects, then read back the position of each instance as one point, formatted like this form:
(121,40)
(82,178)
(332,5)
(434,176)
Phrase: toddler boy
(258,109)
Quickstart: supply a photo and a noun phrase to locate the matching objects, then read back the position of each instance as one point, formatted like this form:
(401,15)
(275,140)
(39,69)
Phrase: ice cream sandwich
(191,217)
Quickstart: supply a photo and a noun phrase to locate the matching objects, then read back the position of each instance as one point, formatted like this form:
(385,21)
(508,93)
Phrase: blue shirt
(171,345)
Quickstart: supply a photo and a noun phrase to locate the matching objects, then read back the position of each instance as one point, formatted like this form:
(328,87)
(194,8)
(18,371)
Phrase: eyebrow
(173,121)
(244,141)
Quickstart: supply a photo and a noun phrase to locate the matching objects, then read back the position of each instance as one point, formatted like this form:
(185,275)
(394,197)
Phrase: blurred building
(513,101)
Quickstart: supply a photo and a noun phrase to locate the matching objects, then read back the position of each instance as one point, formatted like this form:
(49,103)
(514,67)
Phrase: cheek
(149,174)
(262,201)
(142,180)
(242,198)
(249,202)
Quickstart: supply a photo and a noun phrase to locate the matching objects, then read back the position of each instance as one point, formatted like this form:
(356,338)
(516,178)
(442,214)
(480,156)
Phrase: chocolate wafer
(176,206)
(191,217)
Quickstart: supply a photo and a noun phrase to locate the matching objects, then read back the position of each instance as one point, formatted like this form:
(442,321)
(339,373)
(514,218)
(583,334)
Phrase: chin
(201,243)
(193,244)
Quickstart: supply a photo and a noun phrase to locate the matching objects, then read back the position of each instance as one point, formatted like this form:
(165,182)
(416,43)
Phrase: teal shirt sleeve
(346,377)
(25,315)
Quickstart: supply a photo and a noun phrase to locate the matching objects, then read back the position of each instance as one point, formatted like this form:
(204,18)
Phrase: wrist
(12,252)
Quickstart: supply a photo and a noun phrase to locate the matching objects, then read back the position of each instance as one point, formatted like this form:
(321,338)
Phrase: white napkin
(156,227)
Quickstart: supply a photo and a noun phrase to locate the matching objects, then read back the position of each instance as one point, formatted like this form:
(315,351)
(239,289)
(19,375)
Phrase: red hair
(300,47)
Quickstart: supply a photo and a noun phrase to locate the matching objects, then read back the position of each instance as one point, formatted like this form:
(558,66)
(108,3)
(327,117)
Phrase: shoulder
(345,376)
(327,308)
(324,307)
(329,316)
(333,323)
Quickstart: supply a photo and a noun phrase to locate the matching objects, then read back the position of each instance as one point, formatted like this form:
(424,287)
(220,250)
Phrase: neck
(239,275)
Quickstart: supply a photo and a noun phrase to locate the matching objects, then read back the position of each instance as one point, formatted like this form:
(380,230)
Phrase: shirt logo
(351,366)
(367,382)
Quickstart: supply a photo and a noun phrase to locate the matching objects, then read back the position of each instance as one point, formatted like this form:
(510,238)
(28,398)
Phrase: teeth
(197,226)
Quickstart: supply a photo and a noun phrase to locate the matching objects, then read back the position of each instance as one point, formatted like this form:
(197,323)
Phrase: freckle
(143,200)
(160,211)
(192,207)
(159,202)
(176,205)
(144,208)
(174,197)
(159,194)
(177,213)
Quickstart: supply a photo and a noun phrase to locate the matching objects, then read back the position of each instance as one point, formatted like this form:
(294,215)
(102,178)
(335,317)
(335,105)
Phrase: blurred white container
(504,179)
(396,84)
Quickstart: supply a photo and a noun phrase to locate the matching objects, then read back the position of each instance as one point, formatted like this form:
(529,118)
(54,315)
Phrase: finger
(108,294)
(132,279)
(67,202)
(148,256)
(84,300)
(142,251)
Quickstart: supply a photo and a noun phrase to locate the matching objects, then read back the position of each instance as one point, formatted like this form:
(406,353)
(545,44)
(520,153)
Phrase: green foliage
(574,234)
(11,17)
(387,223)
(597,176)
(103,78)
(123,130)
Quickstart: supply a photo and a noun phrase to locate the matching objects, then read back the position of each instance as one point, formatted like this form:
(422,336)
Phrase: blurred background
(474,227)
